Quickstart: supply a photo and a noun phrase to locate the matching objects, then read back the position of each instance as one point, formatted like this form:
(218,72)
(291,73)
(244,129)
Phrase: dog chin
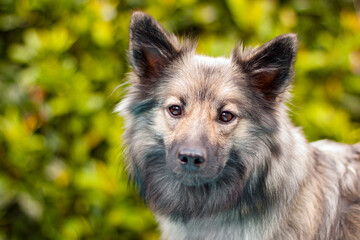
(194,180)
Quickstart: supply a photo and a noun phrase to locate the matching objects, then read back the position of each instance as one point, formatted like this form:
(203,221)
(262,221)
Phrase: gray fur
(262,179)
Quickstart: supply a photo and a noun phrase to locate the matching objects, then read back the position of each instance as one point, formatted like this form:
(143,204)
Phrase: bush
(61,63)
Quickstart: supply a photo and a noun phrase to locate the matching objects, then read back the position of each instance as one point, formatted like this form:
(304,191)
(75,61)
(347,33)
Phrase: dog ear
(151,47)
(270,67)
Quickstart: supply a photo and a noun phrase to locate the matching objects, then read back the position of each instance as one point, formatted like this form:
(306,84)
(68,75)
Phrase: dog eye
(175,110)
(226,116)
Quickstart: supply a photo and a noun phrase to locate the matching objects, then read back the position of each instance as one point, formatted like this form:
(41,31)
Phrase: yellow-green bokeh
(61,175)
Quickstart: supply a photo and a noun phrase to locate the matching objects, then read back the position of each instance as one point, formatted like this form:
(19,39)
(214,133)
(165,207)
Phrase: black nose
(191,159)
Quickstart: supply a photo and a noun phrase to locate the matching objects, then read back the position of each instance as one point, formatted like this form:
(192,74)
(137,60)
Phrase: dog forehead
(204,77)
(203,69)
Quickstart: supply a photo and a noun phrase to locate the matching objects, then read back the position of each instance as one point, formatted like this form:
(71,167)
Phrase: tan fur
(260,178)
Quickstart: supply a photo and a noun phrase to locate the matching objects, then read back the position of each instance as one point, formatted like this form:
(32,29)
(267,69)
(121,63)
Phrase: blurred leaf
(61,62)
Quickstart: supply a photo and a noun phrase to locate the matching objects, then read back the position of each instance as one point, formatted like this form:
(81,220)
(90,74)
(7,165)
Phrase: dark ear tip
(138,17)
(289,39)
(292,37)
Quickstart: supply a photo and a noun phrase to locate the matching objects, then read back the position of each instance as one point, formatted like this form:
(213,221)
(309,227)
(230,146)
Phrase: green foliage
(61,175)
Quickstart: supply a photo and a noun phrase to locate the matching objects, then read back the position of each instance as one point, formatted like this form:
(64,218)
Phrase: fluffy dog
(212,150)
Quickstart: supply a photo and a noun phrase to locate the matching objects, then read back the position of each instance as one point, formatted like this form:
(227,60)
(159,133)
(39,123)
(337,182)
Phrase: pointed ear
(270,67)
(151,47)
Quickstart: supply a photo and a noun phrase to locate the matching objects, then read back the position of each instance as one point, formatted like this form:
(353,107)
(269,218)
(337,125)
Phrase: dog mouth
(192,180)
(196,177)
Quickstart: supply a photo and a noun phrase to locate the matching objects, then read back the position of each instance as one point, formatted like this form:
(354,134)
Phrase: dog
(211,148)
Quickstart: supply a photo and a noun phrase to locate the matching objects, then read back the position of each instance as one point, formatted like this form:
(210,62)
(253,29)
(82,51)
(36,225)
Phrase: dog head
(194,122)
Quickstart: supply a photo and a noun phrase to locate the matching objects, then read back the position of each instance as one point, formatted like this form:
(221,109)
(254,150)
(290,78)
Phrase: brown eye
(226,116)
(175,110)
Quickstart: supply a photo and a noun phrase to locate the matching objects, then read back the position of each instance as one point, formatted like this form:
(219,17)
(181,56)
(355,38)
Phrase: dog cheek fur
(166,195)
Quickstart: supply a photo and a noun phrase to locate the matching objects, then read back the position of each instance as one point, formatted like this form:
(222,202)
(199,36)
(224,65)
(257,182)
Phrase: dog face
(195,123)
(198,117)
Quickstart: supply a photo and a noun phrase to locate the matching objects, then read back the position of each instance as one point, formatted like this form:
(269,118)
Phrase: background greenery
(61,62)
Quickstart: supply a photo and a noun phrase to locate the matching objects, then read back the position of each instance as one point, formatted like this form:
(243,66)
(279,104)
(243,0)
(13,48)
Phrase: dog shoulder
(345,159)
